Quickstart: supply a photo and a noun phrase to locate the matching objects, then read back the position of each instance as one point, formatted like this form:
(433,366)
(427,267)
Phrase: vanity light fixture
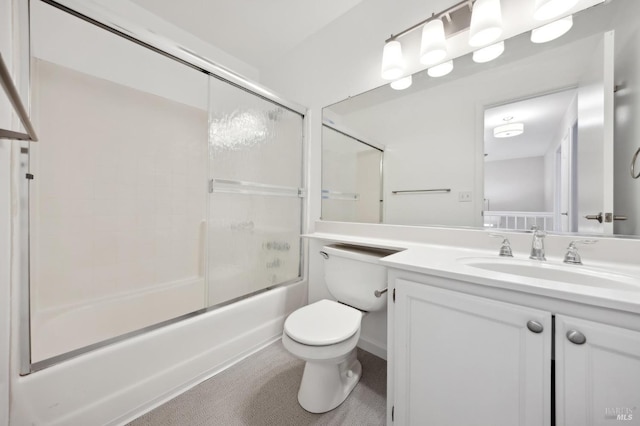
(392,60)
(403,83)
(488,53)
(549,9)
(486,23)
(508,130)
(481,18)
(552,31)
(441,69)
(433,48)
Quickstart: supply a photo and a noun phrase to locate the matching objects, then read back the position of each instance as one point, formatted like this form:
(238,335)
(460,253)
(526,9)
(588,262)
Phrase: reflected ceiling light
(486,23)
(488,53)
(508,130)
(433,48)
(402,83)
(549,9)
(552,31)
(441,70)
(392,61)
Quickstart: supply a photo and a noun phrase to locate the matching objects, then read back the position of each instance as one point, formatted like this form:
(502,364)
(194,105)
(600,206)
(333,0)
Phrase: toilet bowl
(332,370)
(325,333)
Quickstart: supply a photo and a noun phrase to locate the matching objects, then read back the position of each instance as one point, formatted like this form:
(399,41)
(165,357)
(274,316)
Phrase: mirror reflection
(445,162)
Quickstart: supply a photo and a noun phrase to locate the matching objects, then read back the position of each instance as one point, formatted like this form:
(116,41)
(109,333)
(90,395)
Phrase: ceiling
(542,118)
(257,32)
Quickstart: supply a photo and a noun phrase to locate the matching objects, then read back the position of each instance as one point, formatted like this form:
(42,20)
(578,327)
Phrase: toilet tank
(353,274)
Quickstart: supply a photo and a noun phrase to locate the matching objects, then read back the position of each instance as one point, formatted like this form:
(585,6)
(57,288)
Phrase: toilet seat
(323,323)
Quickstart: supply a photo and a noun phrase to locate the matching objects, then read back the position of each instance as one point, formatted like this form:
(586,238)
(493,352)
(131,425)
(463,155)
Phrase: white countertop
(444,261)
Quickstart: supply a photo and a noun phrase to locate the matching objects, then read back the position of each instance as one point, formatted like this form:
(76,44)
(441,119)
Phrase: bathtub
(114,384)
(55,331)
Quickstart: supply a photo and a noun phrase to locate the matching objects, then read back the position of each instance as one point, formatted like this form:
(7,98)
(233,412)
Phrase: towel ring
(633,165)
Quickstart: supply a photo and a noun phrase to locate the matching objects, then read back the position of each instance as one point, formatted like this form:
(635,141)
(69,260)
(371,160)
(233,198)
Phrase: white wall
(125,13)
(627,125)
(516,184)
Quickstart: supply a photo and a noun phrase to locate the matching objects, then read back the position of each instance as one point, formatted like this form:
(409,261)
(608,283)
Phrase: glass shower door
(255,210)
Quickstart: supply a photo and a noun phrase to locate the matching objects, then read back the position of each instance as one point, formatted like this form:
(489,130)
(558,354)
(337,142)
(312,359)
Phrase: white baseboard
(373,347)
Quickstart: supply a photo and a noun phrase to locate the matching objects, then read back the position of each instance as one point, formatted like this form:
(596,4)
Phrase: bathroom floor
(262,390)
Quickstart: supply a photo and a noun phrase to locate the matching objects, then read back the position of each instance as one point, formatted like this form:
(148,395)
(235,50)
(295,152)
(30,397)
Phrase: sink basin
(572,274)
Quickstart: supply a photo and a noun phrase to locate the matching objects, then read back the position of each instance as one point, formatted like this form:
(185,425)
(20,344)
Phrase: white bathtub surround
(122,381)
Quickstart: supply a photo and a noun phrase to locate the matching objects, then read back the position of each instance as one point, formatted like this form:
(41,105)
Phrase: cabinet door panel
(466,360)
(598,382)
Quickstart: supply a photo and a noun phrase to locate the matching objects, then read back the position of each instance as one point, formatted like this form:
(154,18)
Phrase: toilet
(325,333)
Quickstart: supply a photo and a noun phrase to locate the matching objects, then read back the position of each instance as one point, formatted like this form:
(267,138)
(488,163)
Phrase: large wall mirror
(543,135)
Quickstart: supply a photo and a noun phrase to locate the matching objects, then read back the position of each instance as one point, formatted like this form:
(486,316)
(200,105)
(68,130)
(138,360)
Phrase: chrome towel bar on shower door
(14,98)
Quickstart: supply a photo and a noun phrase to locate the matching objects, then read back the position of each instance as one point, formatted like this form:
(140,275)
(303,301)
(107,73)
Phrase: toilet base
(325,385)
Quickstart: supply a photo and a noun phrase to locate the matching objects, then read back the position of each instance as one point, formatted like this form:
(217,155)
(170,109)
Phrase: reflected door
(595,141)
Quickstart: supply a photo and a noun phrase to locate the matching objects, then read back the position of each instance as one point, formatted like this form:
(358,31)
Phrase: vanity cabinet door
(598,379)
(467,360)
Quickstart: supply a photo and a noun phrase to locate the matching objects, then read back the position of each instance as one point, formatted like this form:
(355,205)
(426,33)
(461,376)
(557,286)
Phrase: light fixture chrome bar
(337,195)
(451,24)
(254,188)
(422,191)
(14,98)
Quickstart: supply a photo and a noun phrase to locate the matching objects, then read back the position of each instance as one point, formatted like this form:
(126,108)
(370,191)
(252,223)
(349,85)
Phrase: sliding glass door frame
(162,46)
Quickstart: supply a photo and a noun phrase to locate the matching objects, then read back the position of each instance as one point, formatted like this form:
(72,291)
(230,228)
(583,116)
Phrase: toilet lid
(323,323)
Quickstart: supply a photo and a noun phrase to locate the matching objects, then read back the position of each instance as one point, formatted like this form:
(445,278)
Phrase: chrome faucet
(537,245)
(572,256)
(505,248)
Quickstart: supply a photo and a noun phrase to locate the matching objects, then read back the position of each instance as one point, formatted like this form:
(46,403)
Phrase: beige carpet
(262,390)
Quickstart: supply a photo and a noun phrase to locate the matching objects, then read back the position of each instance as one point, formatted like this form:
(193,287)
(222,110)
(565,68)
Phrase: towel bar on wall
(14,98)
(421,191)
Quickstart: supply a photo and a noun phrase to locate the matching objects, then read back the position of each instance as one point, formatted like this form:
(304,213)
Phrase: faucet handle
(537,232)
(505,249)
(572,256)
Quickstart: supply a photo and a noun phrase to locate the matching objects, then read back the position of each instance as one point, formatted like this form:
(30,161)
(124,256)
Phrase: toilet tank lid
(361,253)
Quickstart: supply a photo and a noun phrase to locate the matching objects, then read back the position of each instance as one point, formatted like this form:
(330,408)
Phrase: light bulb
(441,70)
(403,83)
(552,31)
(549,9)
(488,53)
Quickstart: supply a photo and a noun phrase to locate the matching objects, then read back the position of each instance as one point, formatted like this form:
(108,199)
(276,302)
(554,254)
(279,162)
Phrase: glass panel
(119,201)
(351,179)
(255,243)
(255,210)
(252,139)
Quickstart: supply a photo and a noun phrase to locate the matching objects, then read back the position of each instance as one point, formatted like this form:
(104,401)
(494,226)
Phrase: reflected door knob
(597,217)
(576,337)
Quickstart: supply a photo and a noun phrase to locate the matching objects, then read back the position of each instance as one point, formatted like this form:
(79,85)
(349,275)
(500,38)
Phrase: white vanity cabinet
(464,354)
(598,381)
(466,360)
